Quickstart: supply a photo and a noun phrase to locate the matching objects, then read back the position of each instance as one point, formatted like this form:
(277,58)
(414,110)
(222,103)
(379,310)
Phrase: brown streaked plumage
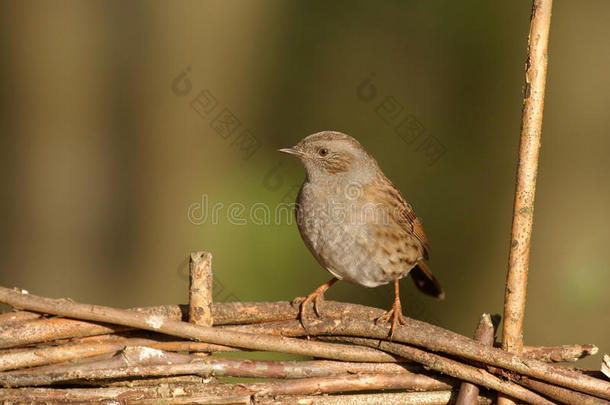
(356,223)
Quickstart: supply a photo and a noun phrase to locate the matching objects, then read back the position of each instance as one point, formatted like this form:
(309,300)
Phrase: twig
(557,354)
(437,339)
(561,394)
(452,368)
(484,334)
(158,323)
(88,347)
(92,346)
(133,358)
(188,346)
(162,394)
(415,332)
(402,398)
(137,362)
(217,394)
(523,211)
(302,385)
(57,330)
(81,363)
(361,382)
(232,313)
(161,341)
(35,329)
(549,354)
(54,329)
(152,381)
(13,317)
(200,289)
(153,340)
(43,330)
(55,354)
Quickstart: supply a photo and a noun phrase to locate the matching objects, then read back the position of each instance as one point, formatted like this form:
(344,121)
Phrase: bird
(356,223)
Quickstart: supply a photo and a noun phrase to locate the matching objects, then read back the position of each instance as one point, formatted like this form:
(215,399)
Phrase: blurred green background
(104,151)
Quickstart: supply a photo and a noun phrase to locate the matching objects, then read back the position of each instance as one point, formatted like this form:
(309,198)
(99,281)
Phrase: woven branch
(266,326)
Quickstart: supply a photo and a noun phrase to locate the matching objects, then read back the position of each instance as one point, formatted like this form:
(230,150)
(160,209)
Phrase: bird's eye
(323,152)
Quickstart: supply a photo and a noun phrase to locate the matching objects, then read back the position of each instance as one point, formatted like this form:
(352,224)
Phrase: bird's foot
(317,297)
(395,316)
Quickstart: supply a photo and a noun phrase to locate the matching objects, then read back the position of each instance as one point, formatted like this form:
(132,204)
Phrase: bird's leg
(395,313)
(316,296)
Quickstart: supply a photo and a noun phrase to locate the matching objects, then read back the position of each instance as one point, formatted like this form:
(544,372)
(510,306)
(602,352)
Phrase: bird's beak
(291,151)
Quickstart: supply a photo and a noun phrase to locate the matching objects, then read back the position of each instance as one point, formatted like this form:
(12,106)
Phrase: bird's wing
(404,219)
(416,227)
(402,213)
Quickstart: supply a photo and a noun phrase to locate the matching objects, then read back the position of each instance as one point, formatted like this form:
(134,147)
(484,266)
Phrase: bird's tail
(425,280)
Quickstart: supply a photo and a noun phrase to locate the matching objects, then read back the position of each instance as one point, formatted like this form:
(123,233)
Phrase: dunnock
(356,223)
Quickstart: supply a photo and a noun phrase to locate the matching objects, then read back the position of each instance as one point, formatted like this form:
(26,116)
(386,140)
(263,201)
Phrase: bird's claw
(396,317)
(317,299)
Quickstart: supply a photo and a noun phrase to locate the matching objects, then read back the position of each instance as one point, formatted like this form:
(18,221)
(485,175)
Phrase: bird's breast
(343,235)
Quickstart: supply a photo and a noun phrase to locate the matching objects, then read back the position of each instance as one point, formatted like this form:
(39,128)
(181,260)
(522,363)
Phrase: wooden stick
(49,329)
(440,340)
(558,354)
(469,393)
(218,394)
(453,368)
(364,382)
(13,317)
(523,211)
(560,394)
(549,354)
(89,347)
(44,330)
(188,346)
(92,346)
(187,330)
(55,354)
(137,357)
(563,395)
(415,332)
(402,398)
(214,393)
(164,365)
(605,368)
(200,289)
(136,363)
(271,317)
(176,380)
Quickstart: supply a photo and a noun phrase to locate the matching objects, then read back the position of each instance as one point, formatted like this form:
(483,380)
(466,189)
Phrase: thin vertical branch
(200,289)
(523,211)
(469,393)
(606,366)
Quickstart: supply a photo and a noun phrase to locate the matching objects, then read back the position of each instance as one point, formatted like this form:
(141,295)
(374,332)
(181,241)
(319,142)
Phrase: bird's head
(331,154)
